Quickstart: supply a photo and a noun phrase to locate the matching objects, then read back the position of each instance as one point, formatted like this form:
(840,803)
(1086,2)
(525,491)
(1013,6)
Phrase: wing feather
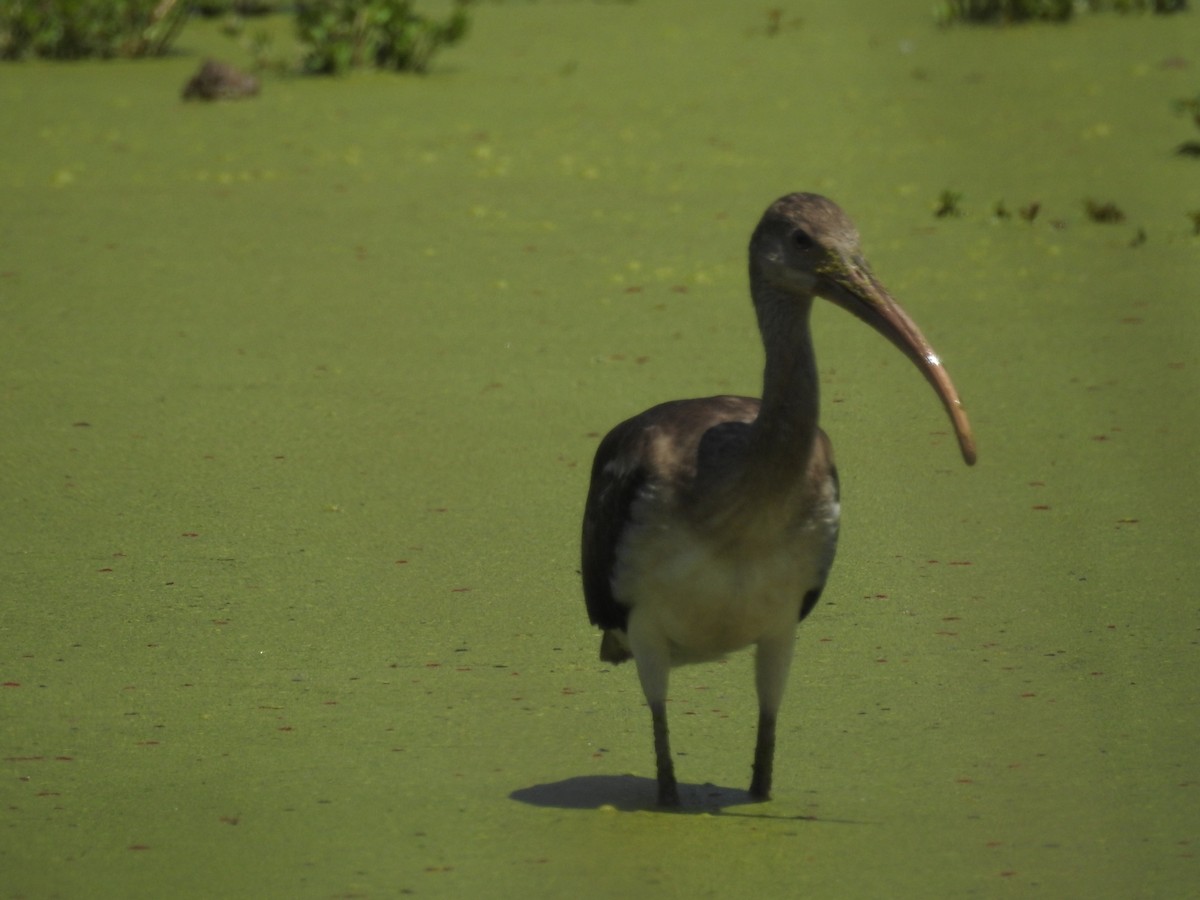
(617,478)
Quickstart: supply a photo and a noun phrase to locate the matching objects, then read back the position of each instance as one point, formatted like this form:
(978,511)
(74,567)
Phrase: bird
(711,524)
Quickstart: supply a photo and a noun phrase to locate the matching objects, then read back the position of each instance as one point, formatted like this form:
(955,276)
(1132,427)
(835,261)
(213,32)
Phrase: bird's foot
(760,788)
(668,795)
(760,795)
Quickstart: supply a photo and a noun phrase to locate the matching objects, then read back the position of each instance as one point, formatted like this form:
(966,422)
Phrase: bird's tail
(613,648)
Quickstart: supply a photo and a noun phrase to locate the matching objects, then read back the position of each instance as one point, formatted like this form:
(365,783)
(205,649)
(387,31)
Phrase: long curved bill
(852,286)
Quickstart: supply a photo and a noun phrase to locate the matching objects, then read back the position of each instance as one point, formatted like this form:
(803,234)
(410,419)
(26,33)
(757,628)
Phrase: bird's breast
(708,594)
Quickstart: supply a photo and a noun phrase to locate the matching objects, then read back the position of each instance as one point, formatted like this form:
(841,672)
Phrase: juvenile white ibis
(711,524)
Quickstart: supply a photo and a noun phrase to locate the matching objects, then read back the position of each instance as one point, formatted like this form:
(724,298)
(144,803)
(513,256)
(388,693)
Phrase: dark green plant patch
(79,29)
(1006,11)
(340,35)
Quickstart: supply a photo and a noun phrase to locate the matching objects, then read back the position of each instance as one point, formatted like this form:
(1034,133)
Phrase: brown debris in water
(220,81)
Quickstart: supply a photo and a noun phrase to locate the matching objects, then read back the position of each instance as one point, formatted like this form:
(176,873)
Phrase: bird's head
(806,246)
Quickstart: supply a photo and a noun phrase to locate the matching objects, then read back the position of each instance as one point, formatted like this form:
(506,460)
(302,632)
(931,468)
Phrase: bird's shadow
(631,793)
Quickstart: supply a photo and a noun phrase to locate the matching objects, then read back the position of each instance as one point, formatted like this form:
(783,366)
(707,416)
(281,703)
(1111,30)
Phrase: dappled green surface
(300,393)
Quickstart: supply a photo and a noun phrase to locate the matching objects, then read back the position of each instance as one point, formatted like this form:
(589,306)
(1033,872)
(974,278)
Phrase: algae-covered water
(300,393)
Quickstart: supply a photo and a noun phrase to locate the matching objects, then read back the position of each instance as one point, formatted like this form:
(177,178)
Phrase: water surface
(300,395)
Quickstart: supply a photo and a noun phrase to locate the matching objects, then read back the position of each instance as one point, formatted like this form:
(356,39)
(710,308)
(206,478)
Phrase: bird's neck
(761,485)
(786,428)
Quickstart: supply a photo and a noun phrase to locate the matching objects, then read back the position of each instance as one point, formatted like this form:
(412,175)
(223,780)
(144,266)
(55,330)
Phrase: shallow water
(300,395)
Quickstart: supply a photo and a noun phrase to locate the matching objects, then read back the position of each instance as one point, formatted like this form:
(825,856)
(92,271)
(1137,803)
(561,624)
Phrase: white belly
(705,600)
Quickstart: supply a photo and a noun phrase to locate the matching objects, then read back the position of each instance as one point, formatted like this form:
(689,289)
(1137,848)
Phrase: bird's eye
(802,240)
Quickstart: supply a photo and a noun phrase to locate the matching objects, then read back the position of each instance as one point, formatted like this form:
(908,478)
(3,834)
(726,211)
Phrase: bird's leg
(653,657)
(773,659)
(668,790)
(764,756)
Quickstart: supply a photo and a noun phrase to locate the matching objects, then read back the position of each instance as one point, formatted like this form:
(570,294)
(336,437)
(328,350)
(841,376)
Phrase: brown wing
(617,478)
(823,460)
(625,466)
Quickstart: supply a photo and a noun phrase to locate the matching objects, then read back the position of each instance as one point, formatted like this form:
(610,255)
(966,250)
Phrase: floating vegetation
(1006,11)
(336,35)
(344,34)
(777,24)
(1188,106)
(1126,6)
(1107,213)
(1003,11)
(1141,5)
(1104,212)
(1194,218)
(948,205)
(82,29)
(1000,210)
(215,8)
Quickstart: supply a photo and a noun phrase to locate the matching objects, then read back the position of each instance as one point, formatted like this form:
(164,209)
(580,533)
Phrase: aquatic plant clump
(1003,11)
(214,8)
(79,29)
(389,34)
